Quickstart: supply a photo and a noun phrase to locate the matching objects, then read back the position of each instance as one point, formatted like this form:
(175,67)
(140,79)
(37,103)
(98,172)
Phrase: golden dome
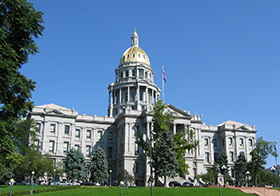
(135,54)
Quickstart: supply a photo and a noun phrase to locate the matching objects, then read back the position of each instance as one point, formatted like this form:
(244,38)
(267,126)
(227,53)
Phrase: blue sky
(221,58)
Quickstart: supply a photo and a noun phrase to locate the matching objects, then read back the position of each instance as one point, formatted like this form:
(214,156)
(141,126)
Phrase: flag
(163,74)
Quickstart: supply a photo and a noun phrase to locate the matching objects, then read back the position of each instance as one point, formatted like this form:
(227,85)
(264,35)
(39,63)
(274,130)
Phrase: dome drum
(134,87)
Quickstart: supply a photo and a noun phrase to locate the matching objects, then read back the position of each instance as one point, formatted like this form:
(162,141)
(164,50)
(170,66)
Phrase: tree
(211,175)
(34,161)
(75,166)
(259,156)
(266,177)
(223,161)
(125,176)
(99,166)
(161,143)
(182,144)
(240,168)
(165,161)
(19,24)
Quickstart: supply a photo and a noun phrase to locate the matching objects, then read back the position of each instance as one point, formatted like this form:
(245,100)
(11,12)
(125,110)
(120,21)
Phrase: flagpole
(162,72)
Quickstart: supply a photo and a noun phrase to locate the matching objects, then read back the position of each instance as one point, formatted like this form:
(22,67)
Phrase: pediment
(178,112)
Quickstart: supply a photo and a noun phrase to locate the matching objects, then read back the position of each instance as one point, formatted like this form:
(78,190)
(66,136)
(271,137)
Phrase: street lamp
(273,170)
(121,183)
(33,172)
(126,178)
(110,171)
(11,183)
(247,174)
(224,169)
(54,177)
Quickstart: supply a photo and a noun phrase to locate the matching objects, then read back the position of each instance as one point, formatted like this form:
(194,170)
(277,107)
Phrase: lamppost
(224,168)
(126,178)
(33,172)
(110,171)
(247,174)
(54,177)
(11,183)
(121,183)
(220,188)
(273,170)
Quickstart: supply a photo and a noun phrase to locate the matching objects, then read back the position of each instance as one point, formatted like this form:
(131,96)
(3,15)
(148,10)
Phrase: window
(38,127)
(205,141)
(51,146)
(77,147)
(88,148)
(67,129)
(250,142)
(52,128)
(133,55)
(126,73)
(37,143)
(215,142)
(207,157)
(110,135)
(88,133)
(133,72)
(77,134)
(231,157)
(136,149)
(137,167)
(241,141)
(141,73)
(110,152)
(230,141)
(66,147)
(121,74)
(99,135)
(215,156)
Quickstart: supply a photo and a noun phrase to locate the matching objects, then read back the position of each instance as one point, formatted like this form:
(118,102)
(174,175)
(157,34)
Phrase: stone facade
(131,99)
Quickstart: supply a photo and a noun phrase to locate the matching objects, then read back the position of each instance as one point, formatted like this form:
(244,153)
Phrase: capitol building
(130,109)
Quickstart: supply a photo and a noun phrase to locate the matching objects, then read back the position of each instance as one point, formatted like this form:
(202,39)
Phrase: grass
(4,188)
(139,191)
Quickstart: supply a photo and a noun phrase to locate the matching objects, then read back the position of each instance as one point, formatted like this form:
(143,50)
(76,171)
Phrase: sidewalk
(261,191)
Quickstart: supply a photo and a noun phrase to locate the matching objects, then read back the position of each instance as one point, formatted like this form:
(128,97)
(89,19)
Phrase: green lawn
(139,191)
(4,188)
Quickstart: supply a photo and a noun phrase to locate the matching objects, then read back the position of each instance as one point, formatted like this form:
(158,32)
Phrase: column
(128,94)
(146,95)
(120,95)
(174,128)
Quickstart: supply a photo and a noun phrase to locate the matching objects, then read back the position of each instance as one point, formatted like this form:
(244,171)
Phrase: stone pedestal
(221,179)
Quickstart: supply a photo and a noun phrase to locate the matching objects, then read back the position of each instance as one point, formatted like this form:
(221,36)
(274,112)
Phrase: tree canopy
(75,167)
(240,167)
(161,143)
(259,155)
(184,140)
(20,23)
(99,166)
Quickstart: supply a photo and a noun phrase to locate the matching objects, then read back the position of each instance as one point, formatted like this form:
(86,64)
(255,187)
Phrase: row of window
(142,74)
(231,156)
(77,131)
(230,142)
(66,148)
(134,55)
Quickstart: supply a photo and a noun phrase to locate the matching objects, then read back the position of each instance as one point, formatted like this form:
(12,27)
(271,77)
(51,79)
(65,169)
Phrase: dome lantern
(134,39)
